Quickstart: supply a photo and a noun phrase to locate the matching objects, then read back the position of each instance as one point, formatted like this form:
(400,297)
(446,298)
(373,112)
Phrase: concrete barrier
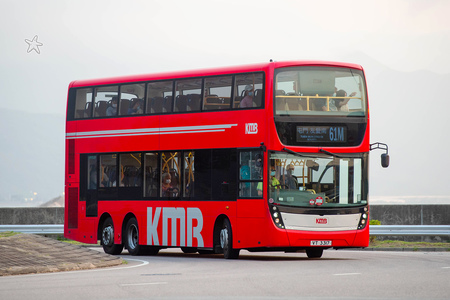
(386,214)
(31,215)
(438,214)
(411,214)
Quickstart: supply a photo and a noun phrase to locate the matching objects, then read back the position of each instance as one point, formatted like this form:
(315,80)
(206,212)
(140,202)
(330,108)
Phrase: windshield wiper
(297,154)
(329,153)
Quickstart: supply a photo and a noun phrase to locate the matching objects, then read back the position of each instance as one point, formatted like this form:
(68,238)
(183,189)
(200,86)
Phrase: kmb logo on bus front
(321,221)
(251,128)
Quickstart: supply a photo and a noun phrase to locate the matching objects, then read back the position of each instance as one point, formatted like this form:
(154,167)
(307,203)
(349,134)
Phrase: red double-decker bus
(265,157)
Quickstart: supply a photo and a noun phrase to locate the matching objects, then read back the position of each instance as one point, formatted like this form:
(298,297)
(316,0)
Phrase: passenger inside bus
(247,101)
(112,109)
(136,107)
(108,176)
(259,188)
(273,181)
(168,190)
(290,181)
(341,104)
(245,175)
(321,104)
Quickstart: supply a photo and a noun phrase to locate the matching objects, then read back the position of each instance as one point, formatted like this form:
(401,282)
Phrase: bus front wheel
(314,252)
(226,241)
(107,239)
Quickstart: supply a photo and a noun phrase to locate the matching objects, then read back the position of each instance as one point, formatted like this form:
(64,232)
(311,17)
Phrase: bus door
(89,183)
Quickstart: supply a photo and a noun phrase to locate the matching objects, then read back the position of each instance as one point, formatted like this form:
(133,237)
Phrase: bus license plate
(320,243)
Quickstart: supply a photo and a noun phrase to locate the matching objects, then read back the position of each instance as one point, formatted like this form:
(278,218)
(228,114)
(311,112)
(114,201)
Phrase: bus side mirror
(385,160)
(384,156)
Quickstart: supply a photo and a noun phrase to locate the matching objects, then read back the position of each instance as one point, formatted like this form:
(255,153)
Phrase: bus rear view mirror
(384,156)
(385,160)
(312,165)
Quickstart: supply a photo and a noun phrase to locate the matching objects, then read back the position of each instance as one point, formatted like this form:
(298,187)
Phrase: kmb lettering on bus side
(251,128)
(186,223)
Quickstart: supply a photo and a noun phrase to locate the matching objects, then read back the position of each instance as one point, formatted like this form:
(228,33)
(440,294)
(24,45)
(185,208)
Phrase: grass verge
(63,239)
(402,244)
(7,234)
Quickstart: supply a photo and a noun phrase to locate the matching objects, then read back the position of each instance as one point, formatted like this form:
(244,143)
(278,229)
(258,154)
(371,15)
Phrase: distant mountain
(55,202)
(31,157)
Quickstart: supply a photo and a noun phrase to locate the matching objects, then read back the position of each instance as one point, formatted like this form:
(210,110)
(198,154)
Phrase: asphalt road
(173,275)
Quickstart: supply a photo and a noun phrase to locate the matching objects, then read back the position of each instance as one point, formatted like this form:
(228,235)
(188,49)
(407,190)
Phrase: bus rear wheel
(226,241)
(132,237)
(314,252)
(107,238)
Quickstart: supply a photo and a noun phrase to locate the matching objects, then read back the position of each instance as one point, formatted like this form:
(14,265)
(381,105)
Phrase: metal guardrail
(409,230)
(34,229)
(375,230)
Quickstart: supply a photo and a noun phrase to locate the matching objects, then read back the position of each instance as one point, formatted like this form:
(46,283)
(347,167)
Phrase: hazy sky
(89,39)
(86,39)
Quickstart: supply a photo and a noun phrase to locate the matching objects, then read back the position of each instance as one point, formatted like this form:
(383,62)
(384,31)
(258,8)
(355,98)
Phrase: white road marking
(347,274)
(140,284)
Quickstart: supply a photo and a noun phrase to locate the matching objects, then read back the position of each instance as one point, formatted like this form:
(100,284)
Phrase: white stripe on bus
(149,131)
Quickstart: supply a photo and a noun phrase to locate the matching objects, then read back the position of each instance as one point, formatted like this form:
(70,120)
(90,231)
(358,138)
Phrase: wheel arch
(127,217)
(100,224)
(216,232)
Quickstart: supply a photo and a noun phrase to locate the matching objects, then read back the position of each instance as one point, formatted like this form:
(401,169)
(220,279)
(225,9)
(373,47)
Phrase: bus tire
(314,252)
(107,238)
(226,241)
(132,237)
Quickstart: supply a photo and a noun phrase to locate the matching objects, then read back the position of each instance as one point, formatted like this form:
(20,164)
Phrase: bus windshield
(318,180)
(319,91)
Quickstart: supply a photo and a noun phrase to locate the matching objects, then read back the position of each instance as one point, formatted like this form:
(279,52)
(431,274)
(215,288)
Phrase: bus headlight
(363,219)
(276,216)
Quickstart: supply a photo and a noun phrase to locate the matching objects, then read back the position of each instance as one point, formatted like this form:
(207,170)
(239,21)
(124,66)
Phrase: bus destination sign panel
(326,134)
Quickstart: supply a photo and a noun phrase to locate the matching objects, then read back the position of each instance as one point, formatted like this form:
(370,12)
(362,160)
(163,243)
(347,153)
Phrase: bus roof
(207,72)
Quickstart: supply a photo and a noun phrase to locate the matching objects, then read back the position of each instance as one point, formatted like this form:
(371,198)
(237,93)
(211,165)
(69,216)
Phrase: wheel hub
(133,236)
(224,238)
(108,236)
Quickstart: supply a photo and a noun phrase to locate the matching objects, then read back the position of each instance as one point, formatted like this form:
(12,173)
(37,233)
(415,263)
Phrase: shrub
(373,222)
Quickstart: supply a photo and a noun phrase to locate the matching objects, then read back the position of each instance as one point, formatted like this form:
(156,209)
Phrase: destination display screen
(325,134)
